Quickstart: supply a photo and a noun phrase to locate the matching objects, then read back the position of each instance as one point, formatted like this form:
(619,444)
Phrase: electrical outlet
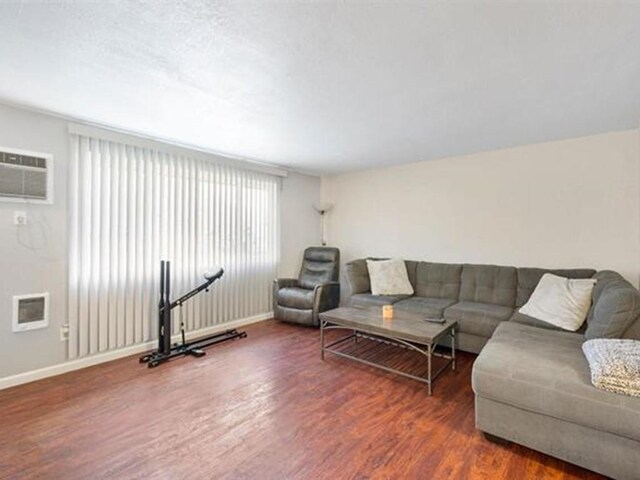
(19,218)
(64,332)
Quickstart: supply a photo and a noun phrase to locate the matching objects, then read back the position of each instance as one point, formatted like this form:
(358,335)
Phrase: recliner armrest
(326,296)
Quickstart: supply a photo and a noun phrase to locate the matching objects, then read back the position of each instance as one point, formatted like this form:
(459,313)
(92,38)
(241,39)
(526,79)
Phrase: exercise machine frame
(165,350)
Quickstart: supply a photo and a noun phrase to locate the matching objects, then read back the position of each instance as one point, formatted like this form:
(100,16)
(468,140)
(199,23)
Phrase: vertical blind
(132,207)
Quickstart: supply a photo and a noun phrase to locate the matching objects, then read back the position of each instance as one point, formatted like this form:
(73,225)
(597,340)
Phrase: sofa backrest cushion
(319,265)
(604,278)
(528,279)
(357,276)
(615,308)
(412,267)
(489,284)
(438,280)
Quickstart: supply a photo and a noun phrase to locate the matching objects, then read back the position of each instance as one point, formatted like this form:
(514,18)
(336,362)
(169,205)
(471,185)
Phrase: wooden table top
(404,325)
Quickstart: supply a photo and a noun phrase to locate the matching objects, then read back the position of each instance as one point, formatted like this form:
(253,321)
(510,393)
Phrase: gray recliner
(316,289)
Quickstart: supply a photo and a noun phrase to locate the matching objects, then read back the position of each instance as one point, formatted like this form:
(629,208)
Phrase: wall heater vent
(25,176)
(30,311)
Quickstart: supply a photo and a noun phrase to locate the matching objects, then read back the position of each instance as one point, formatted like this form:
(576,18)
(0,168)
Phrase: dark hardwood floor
(265,407)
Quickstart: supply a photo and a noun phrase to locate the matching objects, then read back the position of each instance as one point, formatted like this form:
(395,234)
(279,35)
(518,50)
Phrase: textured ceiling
(327,86)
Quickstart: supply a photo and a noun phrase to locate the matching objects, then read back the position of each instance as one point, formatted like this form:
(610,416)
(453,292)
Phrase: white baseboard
(85,362)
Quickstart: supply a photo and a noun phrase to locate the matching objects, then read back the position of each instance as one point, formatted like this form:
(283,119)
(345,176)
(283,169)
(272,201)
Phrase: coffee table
(406,330)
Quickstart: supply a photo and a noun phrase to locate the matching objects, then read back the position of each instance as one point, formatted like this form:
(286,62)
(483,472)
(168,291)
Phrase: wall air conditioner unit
(25,176)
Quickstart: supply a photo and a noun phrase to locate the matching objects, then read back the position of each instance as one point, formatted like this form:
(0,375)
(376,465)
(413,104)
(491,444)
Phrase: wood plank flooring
(264,407)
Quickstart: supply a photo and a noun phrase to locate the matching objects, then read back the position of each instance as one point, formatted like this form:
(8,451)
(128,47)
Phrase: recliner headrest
(321,254)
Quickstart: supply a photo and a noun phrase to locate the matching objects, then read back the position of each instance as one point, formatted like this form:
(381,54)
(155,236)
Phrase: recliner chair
(316,289)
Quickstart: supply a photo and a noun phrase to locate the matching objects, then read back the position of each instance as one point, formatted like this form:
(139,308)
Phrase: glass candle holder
(387,312)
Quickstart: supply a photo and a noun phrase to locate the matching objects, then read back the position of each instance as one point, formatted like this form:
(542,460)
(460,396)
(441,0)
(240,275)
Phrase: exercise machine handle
(213,275)
(210,278)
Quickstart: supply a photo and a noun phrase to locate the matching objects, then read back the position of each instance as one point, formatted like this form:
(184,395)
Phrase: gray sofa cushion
(368,300)
(438,280)
(605,277)
(528,279)
(357,276)
(616,306)
(294,297)
(489,284)
(430,307)
(527,320)
(412,267)
(545,371)
(534,322)
(478,318)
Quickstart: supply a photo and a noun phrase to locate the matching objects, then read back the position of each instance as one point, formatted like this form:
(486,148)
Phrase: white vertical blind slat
(84,252)
(202,239)
(192,233)
(132,207)
(129,234)
(254,229)
(218,239)
(74,246)
(147,253)
(121,272)
(243,237)
(224,224)
(137,248)
(105,251)
(95,247)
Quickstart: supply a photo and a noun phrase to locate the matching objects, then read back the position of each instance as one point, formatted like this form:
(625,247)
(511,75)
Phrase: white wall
(300,223)
(569,203)
(36,260)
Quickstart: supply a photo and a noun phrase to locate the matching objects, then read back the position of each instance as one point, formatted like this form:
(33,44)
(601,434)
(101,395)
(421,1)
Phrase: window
(132,207)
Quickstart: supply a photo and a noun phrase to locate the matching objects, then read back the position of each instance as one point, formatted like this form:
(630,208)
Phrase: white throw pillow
(563,302)
(389,277)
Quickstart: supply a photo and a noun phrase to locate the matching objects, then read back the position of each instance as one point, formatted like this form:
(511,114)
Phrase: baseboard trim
(59,369)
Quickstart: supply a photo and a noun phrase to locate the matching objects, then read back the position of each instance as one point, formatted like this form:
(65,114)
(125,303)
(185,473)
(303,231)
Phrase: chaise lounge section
(532,386)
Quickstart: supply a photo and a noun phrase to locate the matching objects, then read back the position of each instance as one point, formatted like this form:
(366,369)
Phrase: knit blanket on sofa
(614,364)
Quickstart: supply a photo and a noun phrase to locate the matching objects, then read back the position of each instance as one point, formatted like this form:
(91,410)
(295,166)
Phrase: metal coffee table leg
(322,323)
(453,349)
(429,352)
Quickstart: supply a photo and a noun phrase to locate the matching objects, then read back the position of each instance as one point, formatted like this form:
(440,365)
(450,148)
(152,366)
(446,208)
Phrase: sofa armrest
(326,296)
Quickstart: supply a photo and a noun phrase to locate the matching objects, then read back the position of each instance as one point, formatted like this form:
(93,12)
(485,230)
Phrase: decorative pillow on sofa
(614,364)
(563,302)
(389,277)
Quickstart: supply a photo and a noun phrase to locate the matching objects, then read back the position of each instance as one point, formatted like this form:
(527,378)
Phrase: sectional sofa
(531,380)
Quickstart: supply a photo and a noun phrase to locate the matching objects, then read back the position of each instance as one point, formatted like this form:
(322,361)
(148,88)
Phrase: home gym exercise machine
(167,351)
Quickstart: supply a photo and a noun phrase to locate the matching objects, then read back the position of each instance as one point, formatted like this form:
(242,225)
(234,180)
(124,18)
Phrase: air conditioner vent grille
(25,176)
(23,160)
